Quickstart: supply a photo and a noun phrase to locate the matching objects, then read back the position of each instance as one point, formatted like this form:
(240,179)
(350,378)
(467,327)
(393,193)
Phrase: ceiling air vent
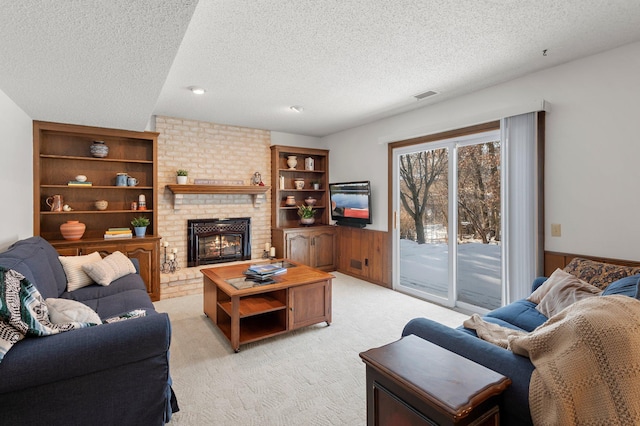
(426,94)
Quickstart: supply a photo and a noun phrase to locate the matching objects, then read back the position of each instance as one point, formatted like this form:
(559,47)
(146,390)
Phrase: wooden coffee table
(246,311)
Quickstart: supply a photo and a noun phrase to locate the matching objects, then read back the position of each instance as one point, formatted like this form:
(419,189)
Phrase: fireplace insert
(218,240)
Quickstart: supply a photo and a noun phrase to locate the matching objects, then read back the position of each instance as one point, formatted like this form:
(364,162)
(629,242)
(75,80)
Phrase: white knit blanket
(587,360)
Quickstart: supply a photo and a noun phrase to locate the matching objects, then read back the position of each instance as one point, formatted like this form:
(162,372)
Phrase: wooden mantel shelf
(255,190)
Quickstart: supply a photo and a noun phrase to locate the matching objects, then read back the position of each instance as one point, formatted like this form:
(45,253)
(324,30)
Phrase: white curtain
(522,214)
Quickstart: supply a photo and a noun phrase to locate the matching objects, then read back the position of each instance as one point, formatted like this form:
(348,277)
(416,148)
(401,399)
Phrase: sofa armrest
(136,264)
(38,360)
(537,283)
(505,362)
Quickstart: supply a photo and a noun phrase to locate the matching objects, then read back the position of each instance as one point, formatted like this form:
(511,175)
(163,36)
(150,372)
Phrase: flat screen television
(351,203)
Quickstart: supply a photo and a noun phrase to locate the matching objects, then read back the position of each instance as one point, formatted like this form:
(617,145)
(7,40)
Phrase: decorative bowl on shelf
(299,183)
(310,201)
(101,204)
(81,178)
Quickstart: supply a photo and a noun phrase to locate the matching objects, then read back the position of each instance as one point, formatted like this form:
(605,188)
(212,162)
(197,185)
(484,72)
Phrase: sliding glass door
(447,203)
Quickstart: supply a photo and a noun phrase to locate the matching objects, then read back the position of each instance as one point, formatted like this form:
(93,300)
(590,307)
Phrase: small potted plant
(306,214)
(315,184)
(182,176)
(140,225)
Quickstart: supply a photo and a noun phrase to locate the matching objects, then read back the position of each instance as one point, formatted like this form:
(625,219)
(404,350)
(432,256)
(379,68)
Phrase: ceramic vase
(307,220)
(292,161)
(290,201)
(72,230)
(99,149)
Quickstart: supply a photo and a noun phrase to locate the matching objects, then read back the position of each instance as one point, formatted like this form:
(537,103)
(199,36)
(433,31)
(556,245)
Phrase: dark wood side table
(415,382)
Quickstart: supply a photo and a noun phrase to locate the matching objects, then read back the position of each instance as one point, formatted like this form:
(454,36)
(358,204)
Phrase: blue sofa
(110,374)
(519,315)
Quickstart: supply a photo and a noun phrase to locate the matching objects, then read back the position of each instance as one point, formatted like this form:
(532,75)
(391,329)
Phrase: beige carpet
(311,376)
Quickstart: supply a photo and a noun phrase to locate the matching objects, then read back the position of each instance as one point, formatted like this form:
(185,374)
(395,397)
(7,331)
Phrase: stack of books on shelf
(264,272)
(78,183)
(112,233)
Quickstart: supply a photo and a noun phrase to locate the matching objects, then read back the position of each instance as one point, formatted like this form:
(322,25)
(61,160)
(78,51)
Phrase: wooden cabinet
(63,151)
(313,246)
(286,216)
(145,250)
(364,254)
(309,304)
(415,382)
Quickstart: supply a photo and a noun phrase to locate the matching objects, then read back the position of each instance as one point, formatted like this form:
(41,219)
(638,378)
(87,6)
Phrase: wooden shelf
(105,159)
(63,151)
(218,189)
(254,305)
(139,188)
(137,212)
(257,191)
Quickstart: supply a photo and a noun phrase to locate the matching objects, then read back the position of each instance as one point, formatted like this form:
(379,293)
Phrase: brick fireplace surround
(208,151)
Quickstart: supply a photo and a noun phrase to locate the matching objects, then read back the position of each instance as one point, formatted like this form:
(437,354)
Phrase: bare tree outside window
(420,174)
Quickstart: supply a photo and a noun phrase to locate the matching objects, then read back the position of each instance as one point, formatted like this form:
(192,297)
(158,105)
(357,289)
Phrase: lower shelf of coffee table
(257,304)
(256,327)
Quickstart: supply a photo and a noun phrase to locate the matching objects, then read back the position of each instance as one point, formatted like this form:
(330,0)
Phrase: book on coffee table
(265,269)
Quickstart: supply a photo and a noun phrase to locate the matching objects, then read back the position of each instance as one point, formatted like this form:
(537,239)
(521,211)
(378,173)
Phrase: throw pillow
(76,277)
(625,287)
(599,274)
(559,291)
(62,311)
(110,268)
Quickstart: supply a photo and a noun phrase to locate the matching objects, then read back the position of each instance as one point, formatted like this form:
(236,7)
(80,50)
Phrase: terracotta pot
(290,201)
(72,230)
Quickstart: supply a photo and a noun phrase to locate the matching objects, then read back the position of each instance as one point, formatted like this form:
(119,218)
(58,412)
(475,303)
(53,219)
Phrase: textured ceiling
(347,62)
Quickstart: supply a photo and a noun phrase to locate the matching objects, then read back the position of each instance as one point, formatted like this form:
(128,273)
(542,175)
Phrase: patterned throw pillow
(599,274)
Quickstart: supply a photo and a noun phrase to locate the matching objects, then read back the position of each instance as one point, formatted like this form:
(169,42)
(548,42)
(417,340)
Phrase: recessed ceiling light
(197,90)
(296,108)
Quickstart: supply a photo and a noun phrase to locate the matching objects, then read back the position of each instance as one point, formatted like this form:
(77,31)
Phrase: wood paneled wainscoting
(554,260)
(365,254)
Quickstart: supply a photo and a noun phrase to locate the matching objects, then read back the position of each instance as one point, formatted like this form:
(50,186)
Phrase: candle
(165,244)
(272,252)
(174,250)
(266,246)
(171,256)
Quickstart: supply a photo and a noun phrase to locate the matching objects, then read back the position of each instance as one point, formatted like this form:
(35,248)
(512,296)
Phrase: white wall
(291,139)
(16,173)
(592,147)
